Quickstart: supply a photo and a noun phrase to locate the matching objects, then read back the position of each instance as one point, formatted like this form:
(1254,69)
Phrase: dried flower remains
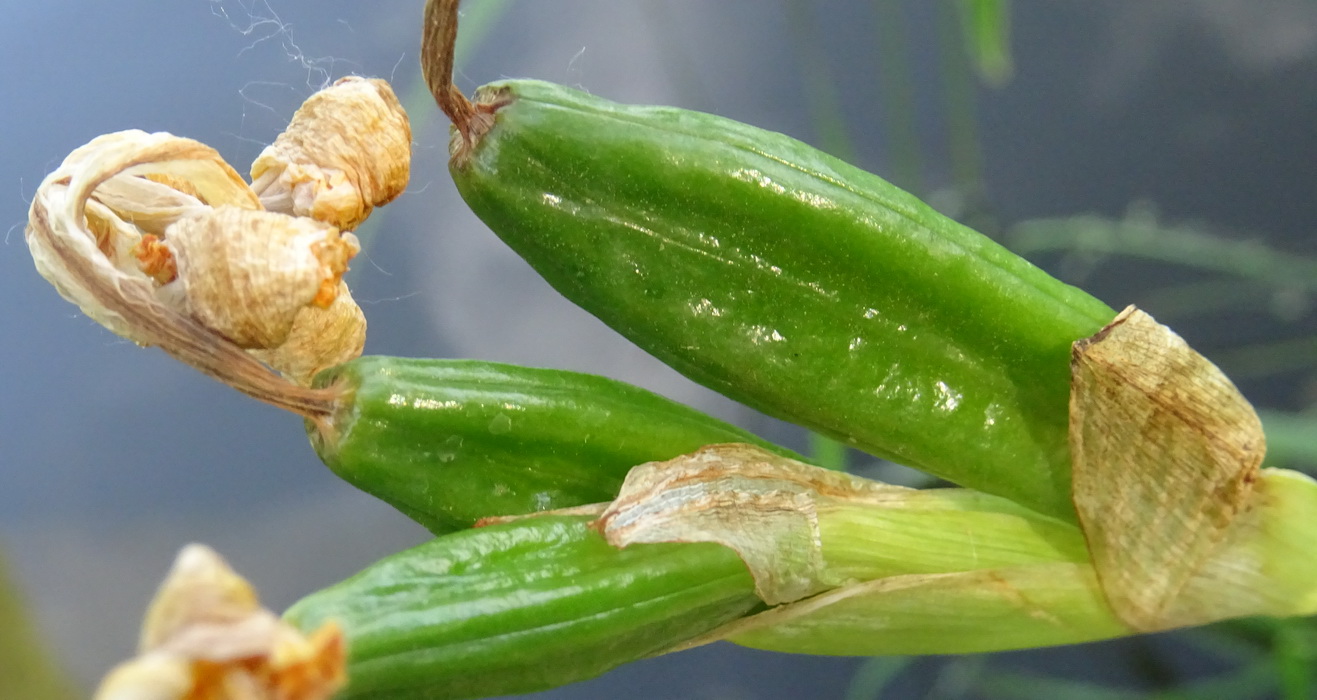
(158,239)
(207,636)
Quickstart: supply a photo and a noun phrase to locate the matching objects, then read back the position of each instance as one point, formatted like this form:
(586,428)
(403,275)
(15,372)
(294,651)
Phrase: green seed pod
(788,280)
(448,442)
(520,607)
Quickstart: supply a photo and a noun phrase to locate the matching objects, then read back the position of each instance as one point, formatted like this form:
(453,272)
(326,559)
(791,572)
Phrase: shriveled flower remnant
(160,240)
(207,636)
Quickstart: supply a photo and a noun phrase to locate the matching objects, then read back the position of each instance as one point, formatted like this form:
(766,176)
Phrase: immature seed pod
(449,442)
(786,279)
(520,607)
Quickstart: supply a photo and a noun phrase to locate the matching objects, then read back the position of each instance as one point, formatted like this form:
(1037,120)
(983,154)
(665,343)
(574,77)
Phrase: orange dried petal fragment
(155,259)
(206,637)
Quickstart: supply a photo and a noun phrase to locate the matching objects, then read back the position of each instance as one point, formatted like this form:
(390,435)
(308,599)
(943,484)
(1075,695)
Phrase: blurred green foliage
(26,671)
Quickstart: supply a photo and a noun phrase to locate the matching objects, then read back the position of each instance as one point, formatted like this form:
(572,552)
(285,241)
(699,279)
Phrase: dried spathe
(157,238)
(1166,455)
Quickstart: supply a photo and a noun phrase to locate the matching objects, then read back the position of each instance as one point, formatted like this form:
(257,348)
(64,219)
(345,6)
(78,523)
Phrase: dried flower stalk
(207,636)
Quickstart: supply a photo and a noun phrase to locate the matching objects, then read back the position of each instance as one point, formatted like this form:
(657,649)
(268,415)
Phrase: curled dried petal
(82,246)
(247,274)
(346,151)
(86,232)
(148,205)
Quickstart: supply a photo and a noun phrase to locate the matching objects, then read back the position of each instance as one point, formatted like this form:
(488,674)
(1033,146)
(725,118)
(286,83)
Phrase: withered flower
(207,636)
(246,274)
(158,239)
(346,151)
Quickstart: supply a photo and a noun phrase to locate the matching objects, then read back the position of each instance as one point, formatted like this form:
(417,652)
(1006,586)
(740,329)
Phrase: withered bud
(346,151)
(207,636)
(247,274)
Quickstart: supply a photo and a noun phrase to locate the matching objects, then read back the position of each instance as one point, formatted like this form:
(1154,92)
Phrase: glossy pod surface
(521,607)
(451,441)
(791,281)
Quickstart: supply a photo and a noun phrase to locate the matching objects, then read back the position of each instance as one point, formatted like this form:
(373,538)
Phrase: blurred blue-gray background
(1193,112)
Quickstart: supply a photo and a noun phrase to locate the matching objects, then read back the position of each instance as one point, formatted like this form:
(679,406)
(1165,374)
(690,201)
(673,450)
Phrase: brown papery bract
(1166,453)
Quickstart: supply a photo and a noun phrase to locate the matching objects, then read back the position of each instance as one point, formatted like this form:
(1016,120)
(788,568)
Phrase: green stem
(1296,654)
(25,669)
(1265,360)
(958,98)
(820,87)
(1291,437)
(1138,237)
(896,80)
(827,453)
(873,676)
(987,38)
(1204,299)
